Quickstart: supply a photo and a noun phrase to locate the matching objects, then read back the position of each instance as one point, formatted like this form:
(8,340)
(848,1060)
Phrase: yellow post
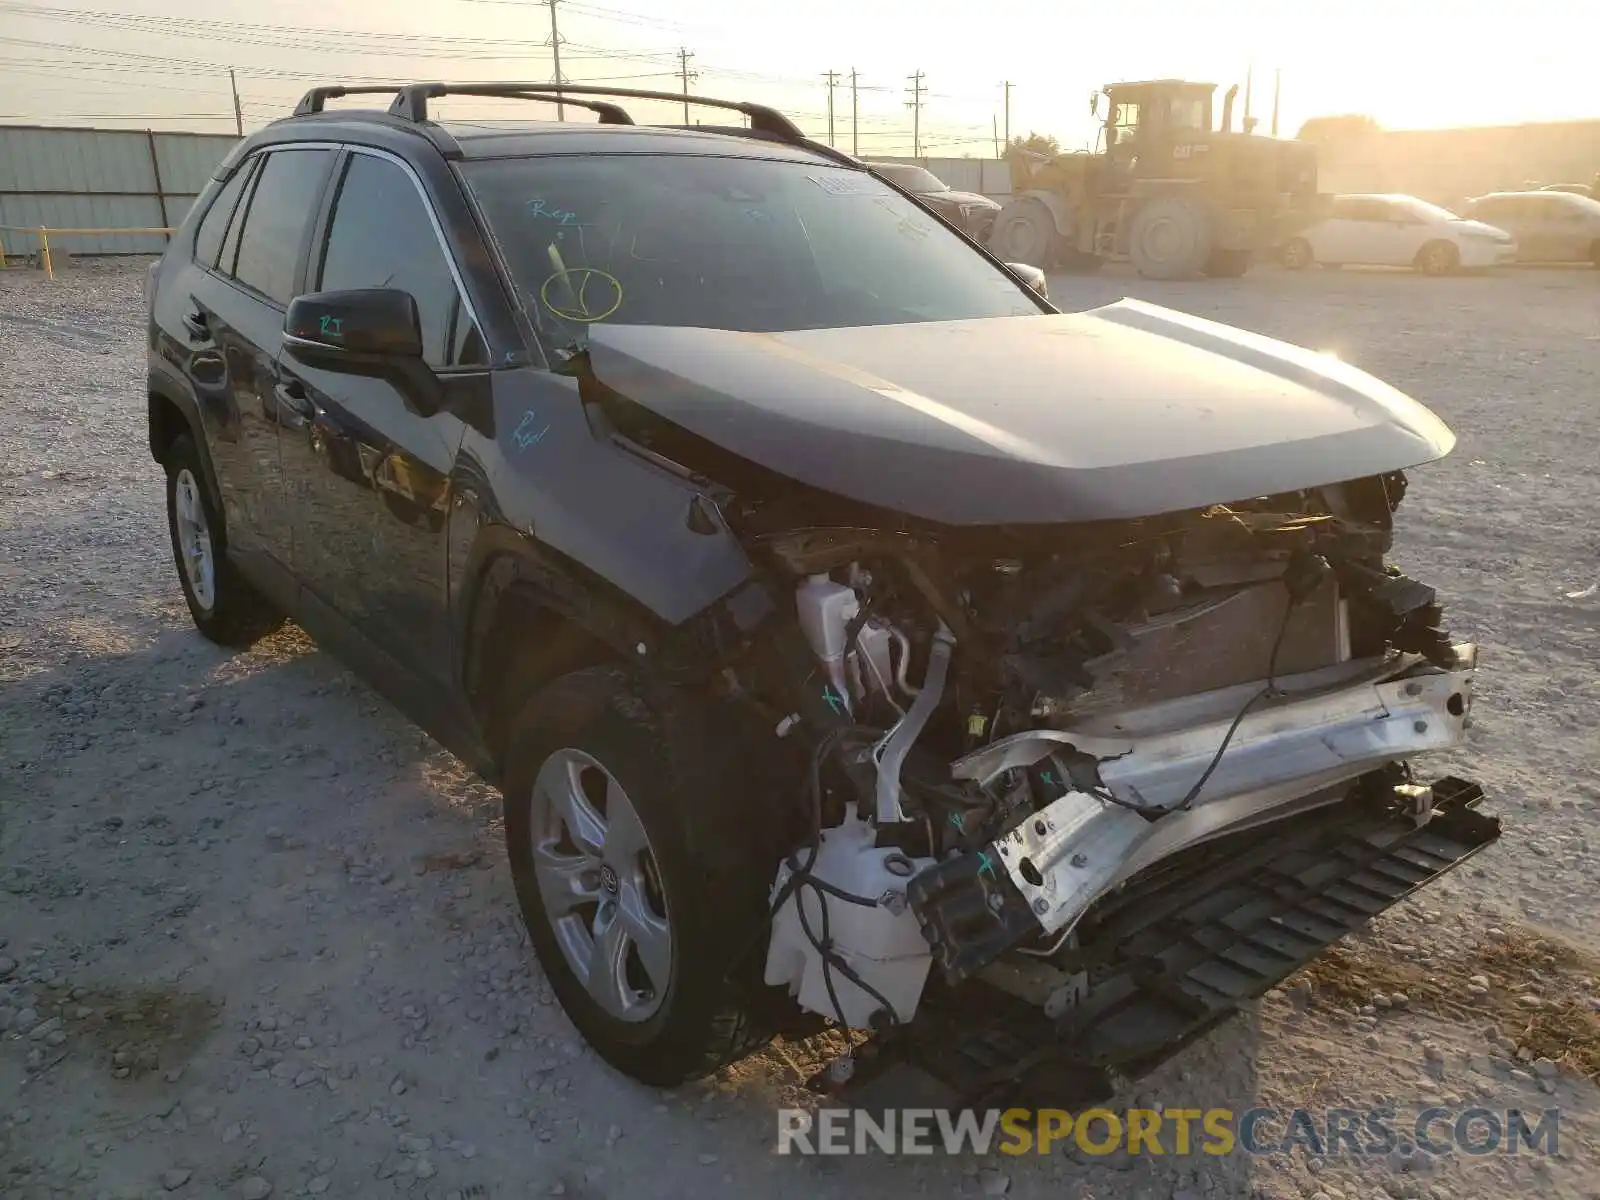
(44,254)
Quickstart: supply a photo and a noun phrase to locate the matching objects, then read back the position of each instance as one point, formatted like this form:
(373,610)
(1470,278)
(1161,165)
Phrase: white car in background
(1399,231)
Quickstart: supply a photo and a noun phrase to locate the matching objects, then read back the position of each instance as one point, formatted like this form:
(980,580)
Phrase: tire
(1298,255)
(225,608)
(1438,258)
(1170,238)
(1228,264)
(686,882)
(1025,232)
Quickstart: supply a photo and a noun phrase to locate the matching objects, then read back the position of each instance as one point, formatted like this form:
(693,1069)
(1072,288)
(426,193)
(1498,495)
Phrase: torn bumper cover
(1301,748)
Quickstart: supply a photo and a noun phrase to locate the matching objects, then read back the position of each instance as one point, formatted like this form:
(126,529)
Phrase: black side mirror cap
(372,332)
(381,321)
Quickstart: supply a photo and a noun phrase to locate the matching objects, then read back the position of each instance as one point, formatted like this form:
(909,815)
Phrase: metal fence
(73,178)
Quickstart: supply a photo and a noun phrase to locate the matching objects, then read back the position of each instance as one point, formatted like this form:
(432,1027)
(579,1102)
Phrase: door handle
(196,323)
(292,398)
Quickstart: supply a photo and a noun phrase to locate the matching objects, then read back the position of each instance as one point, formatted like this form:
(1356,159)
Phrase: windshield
(1421,209)
(755,245)
(912,179)
(1187,113)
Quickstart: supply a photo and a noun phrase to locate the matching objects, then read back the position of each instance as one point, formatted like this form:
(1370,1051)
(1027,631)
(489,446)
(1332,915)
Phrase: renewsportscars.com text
(1172,1131)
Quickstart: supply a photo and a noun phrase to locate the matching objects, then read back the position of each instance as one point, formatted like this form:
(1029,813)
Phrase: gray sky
(1410,63)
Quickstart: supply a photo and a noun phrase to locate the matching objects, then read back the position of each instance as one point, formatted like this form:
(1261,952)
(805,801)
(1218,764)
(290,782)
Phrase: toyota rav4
(853,636)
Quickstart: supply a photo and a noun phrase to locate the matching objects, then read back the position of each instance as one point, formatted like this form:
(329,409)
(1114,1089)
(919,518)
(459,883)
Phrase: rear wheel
(1438,258)
(1170,238)
(1025,232)
(1298,255)
(637,864)
(1228,264)
(224,606)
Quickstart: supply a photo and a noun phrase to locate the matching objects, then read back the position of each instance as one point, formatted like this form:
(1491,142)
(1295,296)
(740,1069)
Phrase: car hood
(1123,411)
(1467,225)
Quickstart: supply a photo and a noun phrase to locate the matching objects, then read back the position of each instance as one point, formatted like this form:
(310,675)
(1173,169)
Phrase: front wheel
(635,856)
(1297,254)
(1438,258)
(1025,232)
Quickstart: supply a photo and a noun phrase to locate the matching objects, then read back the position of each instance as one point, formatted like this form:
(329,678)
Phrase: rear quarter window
(208,239)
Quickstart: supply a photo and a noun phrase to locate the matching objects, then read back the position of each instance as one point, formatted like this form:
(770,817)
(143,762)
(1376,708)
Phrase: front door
(233,318)
(370,475)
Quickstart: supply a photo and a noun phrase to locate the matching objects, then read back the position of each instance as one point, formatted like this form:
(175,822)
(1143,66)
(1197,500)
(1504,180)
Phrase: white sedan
(1399,231)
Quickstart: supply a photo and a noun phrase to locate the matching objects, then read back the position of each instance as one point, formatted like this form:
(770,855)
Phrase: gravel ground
(256,935)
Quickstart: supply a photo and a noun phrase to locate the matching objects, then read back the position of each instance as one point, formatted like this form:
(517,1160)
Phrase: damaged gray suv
(854,637)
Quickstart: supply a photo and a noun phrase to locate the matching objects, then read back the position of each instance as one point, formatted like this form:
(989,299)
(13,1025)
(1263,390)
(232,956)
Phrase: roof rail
(412,101)
(314,100)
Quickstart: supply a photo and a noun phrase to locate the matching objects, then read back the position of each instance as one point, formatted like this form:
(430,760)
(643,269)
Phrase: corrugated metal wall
(101,178)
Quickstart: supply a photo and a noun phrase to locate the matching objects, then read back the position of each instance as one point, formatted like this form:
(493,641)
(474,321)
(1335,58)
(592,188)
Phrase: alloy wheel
(194,538)
(601,888)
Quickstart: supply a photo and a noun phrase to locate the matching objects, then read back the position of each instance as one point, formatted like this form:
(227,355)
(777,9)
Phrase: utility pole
(1249,77)
(995,123)
(915,105)
(1008,86)
(855,131)
(555,53)
(1277,91)
(238,113)
(833,78)
(684,55)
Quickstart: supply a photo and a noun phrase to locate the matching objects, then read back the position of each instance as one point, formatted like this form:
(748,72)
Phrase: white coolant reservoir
(825,609)
(882,943)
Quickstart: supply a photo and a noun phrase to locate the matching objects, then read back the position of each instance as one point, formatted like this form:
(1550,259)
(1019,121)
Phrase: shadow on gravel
(142,752)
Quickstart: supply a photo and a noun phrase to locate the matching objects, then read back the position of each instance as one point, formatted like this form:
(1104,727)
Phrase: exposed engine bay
(1014,731)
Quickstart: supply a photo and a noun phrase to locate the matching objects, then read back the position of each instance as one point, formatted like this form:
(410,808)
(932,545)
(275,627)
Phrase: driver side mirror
(1032,276)
(371,332)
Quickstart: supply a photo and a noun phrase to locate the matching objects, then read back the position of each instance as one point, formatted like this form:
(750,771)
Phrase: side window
(1353,208)
(230,243)
(381,236)
(275,225)
(208,238)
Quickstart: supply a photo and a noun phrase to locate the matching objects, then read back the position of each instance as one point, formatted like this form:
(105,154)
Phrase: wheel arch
(1055,204)
(529,615)
(171,415)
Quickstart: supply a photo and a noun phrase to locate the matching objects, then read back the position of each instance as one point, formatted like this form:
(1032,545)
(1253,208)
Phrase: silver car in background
(1550,227)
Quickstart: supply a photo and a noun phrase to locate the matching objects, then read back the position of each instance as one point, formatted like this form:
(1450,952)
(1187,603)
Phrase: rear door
(1569,229)
(1346,236)
(234,316)
(370,475)
(1526,220)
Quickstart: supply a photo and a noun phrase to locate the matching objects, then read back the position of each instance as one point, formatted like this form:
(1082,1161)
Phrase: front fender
(1056,205)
